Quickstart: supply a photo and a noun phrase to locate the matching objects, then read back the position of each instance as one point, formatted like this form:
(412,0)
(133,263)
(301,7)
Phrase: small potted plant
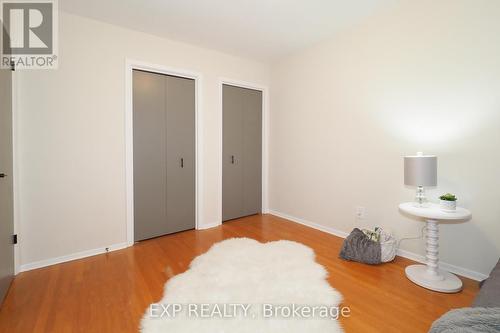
(448,202)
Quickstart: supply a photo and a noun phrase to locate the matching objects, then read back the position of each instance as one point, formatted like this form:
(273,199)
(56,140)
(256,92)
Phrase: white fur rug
(242,273)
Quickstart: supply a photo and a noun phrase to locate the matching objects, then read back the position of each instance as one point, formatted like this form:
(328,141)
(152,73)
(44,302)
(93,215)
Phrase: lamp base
(420,199)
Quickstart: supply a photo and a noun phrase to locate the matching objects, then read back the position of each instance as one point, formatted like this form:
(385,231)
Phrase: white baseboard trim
(313,225)
(70,257)
(209,226)
(402,253)
(88,253)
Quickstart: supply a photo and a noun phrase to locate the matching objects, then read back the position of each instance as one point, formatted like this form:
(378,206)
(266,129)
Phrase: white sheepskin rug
(241,285)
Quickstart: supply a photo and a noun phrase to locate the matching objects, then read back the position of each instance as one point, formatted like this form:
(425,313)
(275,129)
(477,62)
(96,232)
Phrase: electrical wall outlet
(360,212)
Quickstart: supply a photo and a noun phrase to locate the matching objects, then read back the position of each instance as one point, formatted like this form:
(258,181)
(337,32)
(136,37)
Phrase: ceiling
(264,30)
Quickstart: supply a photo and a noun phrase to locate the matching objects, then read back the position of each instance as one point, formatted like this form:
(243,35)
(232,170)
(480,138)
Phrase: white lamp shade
(421,170)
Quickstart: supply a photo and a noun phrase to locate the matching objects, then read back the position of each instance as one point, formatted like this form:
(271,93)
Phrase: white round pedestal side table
(430,276)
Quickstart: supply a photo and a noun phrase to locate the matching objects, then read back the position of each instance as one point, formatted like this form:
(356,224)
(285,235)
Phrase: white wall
(423,76)
(71,139)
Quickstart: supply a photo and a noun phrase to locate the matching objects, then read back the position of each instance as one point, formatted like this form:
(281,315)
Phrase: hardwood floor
(110,292)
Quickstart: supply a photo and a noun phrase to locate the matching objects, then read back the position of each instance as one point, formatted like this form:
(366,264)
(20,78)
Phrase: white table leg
(432,250)
(430,276)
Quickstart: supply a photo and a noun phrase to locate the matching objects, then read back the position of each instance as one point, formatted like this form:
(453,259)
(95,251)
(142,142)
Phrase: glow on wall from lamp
(429,123)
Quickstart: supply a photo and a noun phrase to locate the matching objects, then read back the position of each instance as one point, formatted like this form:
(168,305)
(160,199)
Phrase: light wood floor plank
(110,292)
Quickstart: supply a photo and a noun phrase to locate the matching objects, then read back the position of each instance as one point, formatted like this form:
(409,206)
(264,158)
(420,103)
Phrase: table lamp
(420,171)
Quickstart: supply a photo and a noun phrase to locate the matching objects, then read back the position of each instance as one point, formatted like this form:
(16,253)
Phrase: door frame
(130,65)
(265,138)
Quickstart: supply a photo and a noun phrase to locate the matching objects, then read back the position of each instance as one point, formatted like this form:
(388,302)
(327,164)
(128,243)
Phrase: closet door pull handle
(232,159)
(182,162)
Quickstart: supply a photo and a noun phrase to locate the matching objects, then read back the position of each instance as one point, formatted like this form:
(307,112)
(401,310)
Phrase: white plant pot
(449,206)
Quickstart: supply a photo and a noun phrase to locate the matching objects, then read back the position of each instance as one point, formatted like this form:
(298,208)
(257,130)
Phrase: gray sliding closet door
(232,146)
(180,153)
(242,152)
(164,154)
(6,189)
(150,155)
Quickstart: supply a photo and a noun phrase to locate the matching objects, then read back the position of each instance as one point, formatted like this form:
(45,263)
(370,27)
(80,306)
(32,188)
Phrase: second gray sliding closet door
(164,154)
(242,152)
(180,102)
